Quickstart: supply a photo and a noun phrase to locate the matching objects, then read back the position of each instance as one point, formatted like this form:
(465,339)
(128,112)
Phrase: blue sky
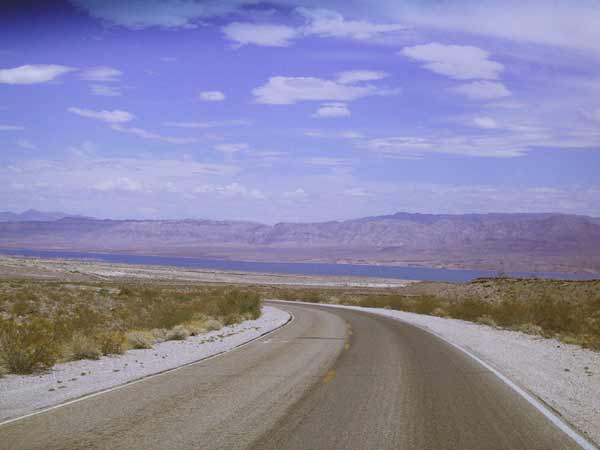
(300,111)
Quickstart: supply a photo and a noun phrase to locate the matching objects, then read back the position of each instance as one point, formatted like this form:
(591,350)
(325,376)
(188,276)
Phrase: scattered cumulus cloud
(357,192)
(26,144)
(101,74)
(210,124)
(483,90)
(297,194)
(354,76)
(212,96)
(329,110)
(231,190)
(6,127)
(33,73)
(115,116)
(280,90)
(333,134)
(265,35)
(461,62)
(231,148)
(144,134)
(327,23)
(327,161)
(485,123)
(119,184)
(105,91)
(170,14)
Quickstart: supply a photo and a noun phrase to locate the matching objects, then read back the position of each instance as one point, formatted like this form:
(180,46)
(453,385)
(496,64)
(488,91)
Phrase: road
(331,379)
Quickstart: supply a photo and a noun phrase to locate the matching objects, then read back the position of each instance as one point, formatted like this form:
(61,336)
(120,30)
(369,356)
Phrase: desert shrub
(28,346)
(469,309)
(487,320)
(553,315)
(84,347)
(195,327)
(213,325)
(160,334)
(178,333)
(510,312)
(440,312)
(112,342)
(530,328)
(140,339)
(425,305)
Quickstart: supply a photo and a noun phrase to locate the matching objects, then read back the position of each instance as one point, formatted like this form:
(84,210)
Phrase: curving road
(331,379)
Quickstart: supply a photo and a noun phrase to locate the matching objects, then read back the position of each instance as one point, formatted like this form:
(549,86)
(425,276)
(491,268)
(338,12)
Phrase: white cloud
(138,14)
(288,90)
(266,35)
(115,116)
(461,62)
(33,73)
(231,148)
(105,91)
(354,76)
(119,184)
(298,194)
(144,134)
(327,161)
(231,190)
(485,122)
(5,127)
(212,96)
(566,24)
(326,23)
(483,90)
(329,110)
(333,134)
(592,115)
(26,144)
(357,192)
(416,147)
(210,124)
(102,74)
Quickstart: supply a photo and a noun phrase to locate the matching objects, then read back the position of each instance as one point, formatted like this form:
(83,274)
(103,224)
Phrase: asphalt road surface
(331,379)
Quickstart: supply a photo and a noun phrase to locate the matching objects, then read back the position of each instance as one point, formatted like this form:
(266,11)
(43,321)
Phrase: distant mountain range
(503,242)
(32,215)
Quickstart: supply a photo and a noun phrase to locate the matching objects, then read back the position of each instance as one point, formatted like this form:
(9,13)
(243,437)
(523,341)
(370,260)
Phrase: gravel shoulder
(565,377)
(23,394)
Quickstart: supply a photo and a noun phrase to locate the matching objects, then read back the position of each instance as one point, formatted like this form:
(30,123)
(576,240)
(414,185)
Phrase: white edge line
(550,415)
(147,377)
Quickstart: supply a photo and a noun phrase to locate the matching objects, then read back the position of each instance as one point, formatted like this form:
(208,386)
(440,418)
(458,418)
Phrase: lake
(406,273)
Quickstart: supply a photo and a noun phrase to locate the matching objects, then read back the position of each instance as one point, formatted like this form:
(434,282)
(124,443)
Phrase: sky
(294,110)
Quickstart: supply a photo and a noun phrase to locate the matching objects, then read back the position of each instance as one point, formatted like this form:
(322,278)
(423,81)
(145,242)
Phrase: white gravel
(566,377)
(23,394)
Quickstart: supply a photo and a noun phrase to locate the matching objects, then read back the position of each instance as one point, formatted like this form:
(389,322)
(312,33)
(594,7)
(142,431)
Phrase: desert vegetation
(566,310)
(44,322)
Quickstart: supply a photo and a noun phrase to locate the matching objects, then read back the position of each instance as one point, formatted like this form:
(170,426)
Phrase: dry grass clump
(178,333)
(196,327)
(213,325)
(140,339)
(84,347)
(112,342)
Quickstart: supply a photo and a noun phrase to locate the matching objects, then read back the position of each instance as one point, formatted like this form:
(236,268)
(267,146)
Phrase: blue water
(406,273)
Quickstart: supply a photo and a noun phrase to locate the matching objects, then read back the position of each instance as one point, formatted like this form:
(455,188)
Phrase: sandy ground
(22,394)
(565,377)
(73,270)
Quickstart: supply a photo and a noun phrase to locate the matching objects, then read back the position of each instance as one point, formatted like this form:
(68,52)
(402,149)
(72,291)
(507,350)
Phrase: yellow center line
(327,378)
